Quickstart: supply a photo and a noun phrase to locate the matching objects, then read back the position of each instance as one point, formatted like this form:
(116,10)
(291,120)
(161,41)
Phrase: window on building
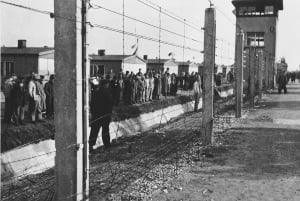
(255,39)
(97,70)
(7,68)
(255,10)
(2,69)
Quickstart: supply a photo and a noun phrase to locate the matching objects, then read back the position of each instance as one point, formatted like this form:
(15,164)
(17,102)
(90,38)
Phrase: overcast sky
(38,29)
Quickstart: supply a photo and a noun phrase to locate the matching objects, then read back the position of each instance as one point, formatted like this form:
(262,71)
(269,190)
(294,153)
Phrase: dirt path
(261,162)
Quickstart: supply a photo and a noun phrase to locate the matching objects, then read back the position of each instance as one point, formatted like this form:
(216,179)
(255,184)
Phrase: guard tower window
(258,10)
(255,39)
(269,10)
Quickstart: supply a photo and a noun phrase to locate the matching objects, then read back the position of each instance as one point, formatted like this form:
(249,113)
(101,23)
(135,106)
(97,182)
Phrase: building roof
(186,63)
(157,61)
(27,50)
(124,58)
(278,3)
(109,57)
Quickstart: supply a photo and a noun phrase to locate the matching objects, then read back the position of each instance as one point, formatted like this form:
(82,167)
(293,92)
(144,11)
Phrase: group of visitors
(138,88)
(131,88)
(28,92)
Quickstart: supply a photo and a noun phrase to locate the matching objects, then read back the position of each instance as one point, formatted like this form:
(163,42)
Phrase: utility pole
(68,102)
(208,73)
(85,98)
(252,75)
(239,51)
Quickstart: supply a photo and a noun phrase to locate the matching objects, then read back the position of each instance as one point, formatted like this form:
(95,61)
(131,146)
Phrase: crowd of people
(30,94)
(130,88)
(292,76)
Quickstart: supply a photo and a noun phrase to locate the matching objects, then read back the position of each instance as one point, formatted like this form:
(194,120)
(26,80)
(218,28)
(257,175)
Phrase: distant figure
(49,98)
(101,109)
(197,91)
(230,77)
(282,81)
(8,86)
(34,100)
(18,95)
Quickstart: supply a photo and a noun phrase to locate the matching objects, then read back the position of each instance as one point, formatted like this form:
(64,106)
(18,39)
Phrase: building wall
(108,65)
(155,66)
(45,66)
(23,64)
(134,67)
(182,68)
(172,68)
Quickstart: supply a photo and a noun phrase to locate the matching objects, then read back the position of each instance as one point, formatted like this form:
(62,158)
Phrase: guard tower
(258,21)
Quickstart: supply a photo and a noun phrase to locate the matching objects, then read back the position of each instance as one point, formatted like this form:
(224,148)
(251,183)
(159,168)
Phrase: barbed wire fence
(178,145)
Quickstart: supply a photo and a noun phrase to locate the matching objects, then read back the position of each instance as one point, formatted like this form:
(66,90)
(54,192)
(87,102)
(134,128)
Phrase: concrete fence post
(208,74)
(239,51)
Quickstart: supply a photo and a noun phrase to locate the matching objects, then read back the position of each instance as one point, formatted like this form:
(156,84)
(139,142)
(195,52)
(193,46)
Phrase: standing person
(127,89)
(18,95)
(41,92)
(197,91)
(133,86)
(157,87)
(282,81)
(151,86)
(169,81)
(49,98)
(140,89)
(230,77)
(101,109)
(147,83)
(34,99)
(173,88)
(8,86)
(116,90)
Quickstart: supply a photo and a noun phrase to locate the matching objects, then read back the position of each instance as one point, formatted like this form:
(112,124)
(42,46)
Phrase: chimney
(145,57)
(101,52)
(21,43)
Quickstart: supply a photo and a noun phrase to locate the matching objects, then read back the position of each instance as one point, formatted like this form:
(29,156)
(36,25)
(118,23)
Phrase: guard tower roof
(277,3)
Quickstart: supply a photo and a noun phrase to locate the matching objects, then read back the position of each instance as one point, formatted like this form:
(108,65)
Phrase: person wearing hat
(101,110)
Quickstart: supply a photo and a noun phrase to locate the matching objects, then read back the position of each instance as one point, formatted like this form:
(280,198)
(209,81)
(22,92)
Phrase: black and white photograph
(150,100)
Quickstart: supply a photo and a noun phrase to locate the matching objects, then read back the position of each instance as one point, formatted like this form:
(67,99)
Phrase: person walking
(101,110)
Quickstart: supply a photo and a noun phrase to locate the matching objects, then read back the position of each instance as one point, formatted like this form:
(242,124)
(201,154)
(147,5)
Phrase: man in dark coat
(116,90)
(49,98)
(18,95)
(282,81)
(101,110)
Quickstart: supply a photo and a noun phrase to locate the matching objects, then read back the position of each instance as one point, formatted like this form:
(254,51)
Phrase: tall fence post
(252,75)
(208,73)
(267,67)
(260,72)
(239,51)
(68,100)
